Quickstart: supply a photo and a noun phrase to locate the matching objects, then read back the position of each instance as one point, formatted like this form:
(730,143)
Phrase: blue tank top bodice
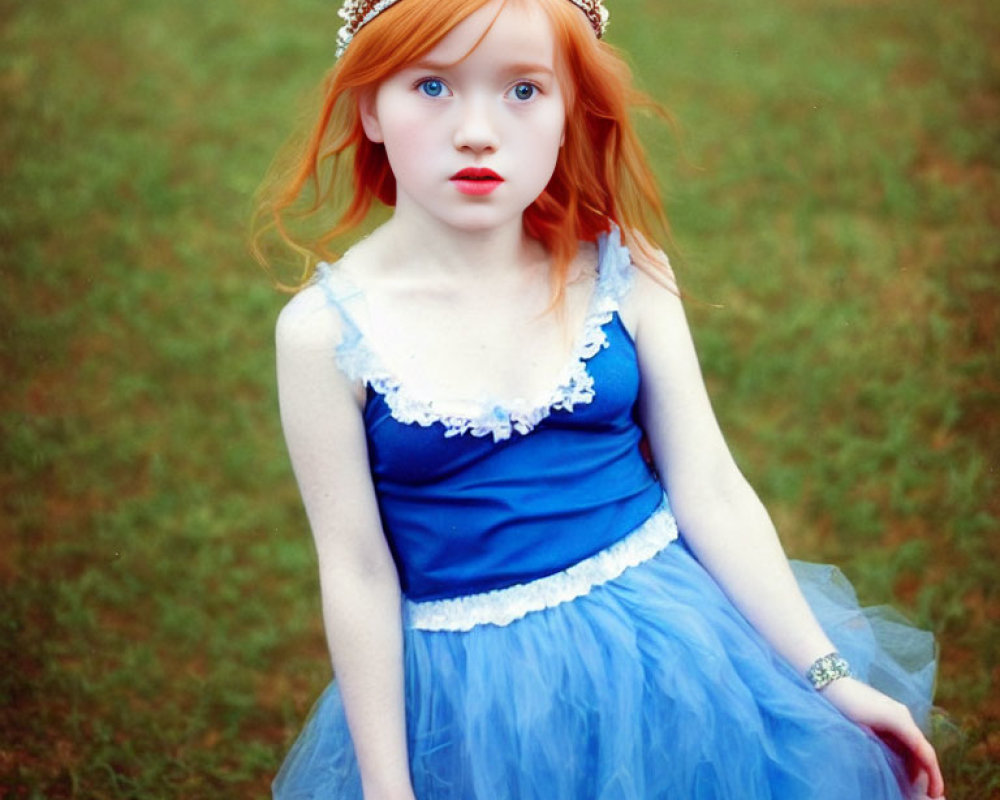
(472,503)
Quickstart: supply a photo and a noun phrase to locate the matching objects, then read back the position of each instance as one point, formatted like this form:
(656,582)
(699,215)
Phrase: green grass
(833,193)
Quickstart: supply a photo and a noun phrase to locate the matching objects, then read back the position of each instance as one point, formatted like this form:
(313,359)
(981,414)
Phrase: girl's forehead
(511,32)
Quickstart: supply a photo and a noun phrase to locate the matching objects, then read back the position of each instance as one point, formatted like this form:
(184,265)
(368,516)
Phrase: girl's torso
(479,489)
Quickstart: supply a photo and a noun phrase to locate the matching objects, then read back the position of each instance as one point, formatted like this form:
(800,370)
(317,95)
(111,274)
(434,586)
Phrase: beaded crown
(358,13)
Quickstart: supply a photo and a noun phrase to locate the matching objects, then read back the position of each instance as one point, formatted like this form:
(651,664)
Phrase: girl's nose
(476,130)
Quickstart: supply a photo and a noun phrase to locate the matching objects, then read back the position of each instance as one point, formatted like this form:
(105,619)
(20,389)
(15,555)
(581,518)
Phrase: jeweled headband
(358,13)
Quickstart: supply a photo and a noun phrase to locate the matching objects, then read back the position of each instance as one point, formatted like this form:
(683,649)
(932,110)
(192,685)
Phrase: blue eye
(524,91)
(432,87)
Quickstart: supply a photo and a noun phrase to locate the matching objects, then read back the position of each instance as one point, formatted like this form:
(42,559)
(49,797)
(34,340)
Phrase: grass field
(833,192)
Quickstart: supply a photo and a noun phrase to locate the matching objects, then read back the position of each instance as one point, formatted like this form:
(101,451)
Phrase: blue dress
(561,642)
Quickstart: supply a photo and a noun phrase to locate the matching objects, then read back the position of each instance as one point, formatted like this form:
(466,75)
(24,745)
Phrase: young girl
(518,604)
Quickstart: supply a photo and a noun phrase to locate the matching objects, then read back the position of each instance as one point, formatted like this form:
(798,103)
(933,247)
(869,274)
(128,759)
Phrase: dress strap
(615,277)
(617,272)
(340,293)
(354,356)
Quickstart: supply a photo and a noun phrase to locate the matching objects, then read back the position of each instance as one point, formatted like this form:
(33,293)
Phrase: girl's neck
(441,252)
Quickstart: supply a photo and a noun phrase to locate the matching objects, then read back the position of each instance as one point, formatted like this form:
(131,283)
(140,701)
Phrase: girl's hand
(894,724)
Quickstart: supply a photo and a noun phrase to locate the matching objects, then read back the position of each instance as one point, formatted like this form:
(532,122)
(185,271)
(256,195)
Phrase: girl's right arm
(322,421)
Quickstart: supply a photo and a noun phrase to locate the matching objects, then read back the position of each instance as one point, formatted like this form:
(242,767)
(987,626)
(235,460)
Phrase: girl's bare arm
(722,518)
(324,431)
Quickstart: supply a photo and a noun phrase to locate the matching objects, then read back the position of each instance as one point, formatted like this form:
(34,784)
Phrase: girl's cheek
(410,124)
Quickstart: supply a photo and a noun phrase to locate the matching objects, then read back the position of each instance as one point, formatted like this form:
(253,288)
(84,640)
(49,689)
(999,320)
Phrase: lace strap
(617,273)
(354,357)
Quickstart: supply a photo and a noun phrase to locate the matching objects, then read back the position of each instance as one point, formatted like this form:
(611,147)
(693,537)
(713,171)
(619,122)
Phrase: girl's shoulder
(650,269)
(632,271)
(306,321)
(325,323)
(313,341)
(650,260)
(338,286)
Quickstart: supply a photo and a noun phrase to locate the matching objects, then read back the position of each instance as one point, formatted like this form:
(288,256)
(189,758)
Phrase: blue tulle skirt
(649,685)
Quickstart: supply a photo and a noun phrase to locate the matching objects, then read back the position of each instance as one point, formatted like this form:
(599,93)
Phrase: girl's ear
(369,117)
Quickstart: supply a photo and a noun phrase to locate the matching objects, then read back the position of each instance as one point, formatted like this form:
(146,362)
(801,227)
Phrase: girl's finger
(920,785)
(903,736)
(927,758)
(924,760)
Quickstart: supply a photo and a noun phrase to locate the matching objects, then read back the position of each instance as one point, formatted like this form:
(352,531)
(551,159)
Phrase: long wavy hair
(602,175)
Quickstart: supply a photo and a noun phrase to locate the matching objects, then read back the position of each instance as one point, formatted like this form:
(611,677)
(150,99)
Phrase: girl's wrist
(386,787)
(399,793)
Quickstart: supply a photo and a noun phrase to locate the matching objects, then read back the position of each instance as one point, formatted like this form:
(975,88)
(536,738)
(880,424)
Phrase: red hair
(601,177)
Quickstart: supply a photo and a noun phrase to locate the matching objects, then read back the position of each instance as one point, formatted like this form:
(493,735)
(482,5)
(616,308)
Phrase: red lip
(476,174)
(476,181)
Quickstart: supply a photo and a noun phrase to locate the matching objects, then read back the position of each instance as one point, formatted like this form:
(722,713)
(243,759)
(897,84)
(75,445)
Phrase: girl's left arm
(724,522)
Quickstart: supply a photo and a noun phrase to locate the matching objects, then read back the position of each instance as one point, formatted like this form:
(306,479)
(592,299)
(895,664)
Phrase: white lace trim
(504,606)
(575,387)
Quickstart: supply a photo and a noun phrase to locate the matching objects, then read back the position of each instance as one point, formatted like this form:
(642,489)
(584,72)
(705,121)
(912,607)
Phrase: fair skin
(458,296)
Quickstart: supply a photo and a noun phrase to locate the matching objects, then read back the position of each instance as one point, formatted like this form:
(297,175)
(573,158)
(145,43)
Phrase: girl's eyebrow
(528,67)
(516,68)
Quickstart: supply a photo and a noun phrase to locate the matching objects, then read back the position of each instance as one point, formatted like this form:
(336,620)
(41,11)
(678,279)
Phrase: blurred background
(832,185)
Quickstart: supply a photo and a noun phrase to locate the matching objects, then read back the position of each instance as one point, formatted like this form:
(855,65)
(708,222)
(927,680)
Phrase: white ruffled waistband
(504,606)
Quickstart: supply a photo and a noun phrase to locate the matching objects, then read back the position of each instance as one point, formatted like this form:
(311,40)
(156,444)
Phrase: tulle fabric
(651,685)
